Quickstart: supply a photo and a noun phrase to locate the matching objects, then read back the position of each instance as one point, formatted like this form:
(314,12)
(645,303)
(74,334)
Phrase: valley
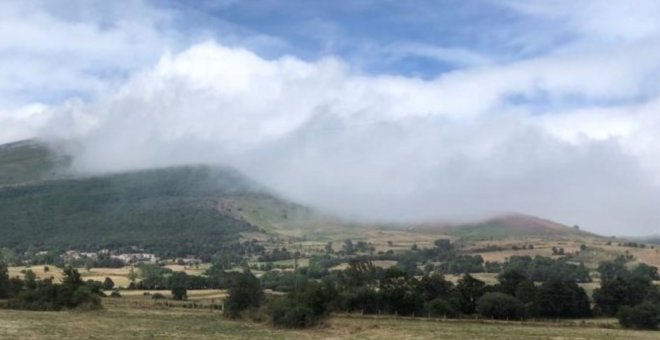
(136,237)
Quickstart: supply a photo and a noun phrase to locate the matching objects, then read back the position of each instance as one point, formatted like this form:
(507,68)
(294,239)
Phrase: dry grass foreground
(116,322)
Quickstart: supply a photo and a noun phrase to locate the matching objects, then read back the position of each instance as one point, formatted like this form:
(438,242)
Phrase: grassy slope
(28,161)
(154,208)
(513,226)
(128,323)
(280,216)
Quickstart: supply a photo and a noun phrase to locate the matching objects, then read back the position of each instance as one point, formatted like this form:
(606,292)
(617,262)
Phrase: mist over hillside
(173,210)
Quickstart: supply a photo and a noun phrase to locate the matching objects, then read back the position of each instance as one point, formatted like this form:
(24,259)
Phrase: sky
(383,110)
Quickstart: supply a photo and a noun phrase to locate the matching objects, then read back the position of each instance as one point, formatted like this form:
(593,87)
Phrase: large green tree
(4,280)
(469,290)
(244,292)
(562,299)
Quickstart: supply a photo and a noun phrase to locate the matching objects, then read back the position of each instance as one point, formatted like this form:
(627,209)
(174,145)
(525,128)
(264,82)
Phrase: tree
(286,312)
(500,306)
(4,280)
(244,292)
(401,296)
(643,316)
(435,286)
(108,283)
(443,244)
(528,294)
(359,272)
(72,278)
(30,280)
(178,282)
(621,287)
(328,248)
(305,308)
(179,293)
(526,291)
(469,290)
(154,277)
(562,299)
(440,307)
(132,275)
(612,269)
(348,247)
(71,293)
(509,280)
(643,270)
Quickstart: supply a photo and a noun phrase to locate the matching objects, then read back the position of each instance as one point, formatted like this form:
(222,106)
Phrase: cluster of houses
(132,258)
(128,258)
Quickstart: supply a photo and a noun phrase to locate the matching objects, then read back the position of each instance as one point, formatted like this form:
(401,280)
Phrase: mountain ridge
(192,203)
(509,225)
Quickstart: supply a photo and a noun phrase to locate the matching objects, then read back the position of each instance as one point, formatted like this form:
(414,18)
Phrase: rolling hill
(511,226)
(29,161)
(176,211)
(171,211)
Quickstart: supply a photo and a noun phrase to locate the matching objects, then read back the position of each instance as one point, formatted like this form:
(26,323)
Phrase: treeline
(541,268)
(31,293)
(367,289)
(630,295)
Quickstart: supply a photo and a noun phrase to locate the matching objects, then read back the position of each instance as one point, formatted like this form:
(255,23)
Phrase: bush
(303,309)
(179,293)
(157,296)
(289,312)
(84,298)
(439,307)
(44,295)
(108,283)
(643,316)
(501,306)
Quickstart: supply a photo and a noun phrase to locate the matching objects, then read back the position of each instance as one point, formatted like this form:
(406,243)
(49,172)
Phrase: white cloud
(571,134)
(384,146)
(611,21)
(55,48)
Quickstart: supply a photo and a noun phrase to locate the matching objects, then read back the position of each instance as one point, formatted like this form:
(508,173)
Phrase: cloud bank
(570,134)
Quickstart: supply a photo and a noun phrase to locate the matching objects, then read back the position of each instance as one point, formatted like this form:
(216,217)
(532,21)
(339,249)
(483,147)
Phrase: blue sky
(375,36)
(385,110)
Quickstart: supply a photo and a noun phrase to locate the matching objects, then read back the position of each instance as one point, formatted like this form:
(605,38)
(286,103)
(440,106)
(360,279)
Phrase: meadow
(120,321)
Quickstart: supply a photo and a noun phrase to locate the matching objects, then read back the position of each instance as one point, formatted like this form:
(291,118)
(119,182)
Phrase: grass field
(117,322)
(196,294)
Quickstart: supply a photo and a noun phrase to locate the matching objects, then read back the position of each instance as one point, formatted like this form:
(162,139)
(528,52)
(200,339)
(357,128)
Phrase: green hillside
(513,226)
(172,211)
(169,211)
(28,161)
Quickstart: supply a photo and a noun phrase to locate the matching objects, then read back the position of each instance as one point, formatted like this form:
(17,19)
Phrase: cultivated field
(121,322)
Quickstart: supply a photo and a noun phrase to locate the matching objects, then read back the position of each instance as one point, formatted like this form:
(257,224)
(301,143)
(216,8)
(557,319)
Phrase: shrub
(84,298)
(179,293)
(73,293)
(303,309)
(158,296)
(439,307)
(289,312)
(500,306)
(643,316)
(108,283)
